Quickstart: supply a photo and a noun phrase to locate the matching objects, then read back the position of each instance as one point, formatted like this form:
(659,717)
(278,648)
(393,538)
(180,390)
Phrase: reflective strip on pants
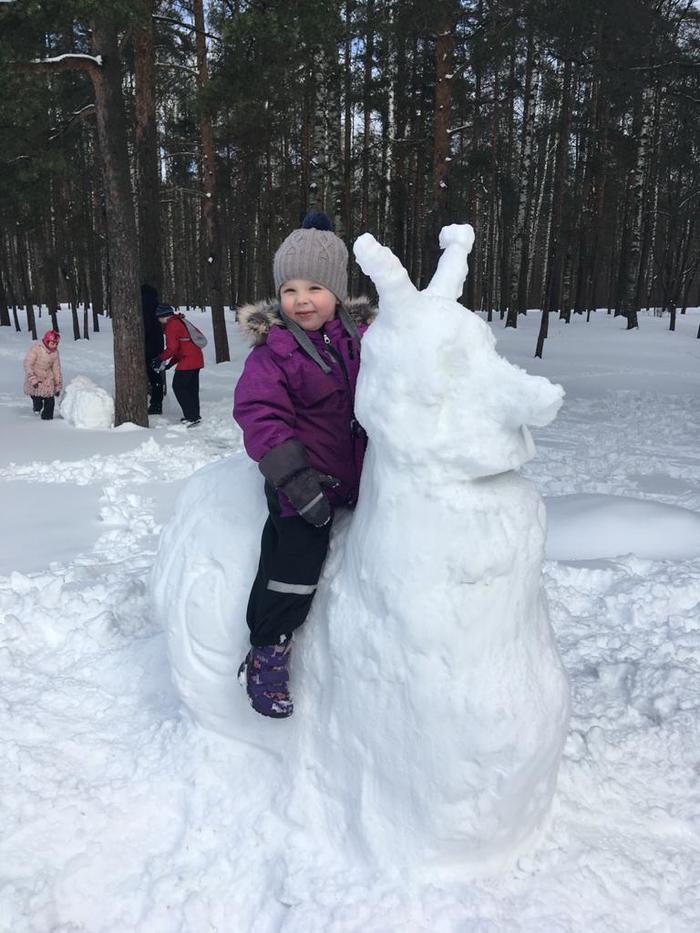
(299,589)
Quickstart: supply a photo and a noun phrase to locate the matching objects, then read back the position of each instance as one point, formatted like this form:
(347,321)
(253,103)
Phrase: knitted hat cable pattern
(313,253)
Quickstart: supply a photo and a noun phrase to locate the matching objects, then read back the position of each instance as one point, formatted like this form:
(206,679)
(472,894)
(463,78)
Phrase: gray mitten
(305,491)
(287,468)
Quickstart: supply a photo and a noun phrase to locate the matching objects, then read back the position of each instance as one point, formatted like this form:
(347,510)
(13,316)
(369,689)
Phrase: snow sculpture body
(431,705)
(447,706)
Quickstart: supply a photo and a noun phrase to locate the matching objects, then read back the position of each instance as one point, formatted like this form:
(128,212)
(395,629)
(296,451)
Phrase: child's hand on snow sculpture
(287,468)
(305,492)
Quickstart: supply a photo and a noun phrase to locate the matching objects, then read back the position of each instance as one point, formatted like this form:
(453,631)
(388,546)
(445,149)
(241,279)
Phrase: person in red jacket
(187,358)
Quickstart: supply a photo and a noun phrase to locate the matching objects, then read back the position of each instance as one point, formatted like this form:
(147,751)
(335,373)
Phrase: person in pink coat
(42,374)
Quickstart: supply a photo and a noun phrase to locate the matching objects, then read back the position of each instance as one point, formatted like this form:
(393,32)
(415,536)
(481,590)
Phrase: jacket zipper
(333,353)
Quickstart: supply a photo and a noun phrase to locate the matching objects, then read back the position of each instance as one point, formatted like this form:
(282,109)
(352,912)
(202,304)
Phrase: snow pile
(431,705)
(86,405)
(586,527)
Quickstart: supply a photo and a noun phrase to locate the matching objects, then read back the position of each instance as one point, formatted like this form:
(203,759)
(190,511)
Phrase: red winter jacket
(179,346)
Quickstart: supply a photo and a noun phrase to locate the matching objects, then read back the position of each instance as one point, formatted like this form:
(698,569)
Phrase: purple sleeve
(261,404)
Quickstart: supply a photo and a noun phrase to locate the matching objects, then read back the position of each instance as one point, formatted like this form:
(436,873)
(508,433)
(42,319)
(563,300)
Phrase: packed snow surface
(119,814)
(585,526)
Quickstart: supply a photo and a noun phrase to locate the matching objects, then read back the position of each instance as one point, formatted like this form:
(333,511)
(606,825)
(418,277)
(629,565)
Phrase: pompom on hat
(313,253)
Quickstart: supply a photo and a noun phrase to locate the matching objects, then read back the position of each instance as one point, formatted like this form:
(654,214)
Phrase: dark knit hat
(313,253)
(164,310)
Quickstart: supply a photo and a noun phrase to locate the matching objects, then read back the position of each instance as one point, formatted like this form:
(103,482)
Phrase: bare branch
(457,70)
(189,26)
(79,114)
(658,65)
(72,61)
(189,71)
(192,191)
(693,194)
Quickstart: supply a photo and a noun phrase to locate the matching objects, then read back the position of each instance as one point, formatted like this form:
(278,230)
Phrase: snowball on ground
(86,405)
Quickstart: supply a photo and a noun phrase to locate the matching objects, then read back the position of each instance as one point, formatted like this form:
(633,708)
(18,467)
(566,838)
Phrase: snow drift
(431,704)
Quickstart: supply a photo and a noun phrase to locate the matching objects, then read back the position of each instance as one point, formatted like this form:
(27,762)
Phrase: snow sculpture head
(464,384)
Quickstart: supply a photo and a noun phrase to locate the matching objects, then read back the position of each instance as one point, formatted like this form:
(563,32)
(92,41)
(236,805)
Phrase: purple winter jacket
(283,394)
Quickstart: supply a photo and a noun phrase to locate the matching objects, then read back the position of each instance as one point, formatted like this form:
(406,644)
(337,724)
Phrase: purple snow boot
(266,680)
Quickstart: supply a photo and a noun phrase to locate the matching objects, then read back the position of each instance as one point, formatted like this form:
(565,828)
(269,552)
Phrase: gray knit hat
(313,253)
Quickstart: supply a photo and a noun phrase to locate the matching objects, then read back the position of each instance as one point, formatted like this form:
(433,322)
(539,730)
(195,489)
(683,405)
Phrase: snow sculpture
(447,708)
(430,702)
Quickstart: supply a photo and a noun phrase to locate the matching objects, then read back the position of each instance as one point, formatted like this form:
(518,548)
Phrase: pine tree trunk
(24,278)
(347,225)
(446,22)
(4,309)
(557,241)
(367,85)
(210,207)
(630,269)
(146,139)
(127,322)
(518,284)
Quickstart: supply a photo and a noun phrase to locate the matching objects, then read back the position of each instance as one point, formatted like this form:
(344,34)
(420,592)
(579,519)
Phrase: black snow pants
(186,389)
(292,553)
(155,390)
(44,405)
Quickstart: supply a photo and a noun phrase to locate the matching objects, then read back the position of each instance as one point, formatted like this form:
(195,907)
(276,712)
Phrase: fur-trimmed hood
(255,320)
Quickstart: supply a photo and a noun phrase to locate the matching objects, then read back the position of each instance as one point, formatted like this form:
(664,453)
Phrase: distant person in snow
(187,358)
(153,346)
(42,374)
(295,403)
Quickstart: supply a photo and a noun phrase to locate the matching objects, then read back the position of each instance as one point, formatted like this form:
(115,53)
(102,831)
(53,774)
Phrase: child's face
(308,303)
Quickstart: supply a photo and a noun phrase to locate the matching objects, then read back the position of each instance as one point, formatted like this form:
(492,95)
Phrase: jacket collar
(257,320)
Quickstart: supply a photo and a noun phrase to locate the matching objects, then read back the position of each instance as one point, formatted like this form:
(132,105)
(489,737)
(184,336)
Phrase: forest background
(177,143)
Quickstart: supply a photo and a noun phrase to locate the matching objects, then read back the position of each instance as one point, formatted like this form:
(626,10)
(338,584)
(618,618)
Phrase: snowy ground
(119,815)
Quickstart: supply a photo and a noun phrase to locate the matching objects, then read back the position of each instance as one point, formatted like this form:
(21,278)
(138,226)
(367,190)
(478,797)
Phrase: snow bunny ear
(456,241)
(391,280)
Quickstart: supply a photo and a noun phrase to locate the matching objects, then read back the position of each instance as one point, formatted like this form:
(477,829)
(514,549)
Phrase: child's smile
(307,303)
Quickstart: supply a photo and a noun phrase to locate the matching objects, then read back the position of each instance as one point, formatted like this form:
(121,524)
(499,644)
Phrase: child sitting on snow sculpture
(295,404)
(42,374)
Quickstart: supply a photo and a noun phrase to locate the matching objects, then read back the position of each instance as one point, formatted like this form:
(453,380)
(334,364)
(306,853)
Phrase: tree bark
(209,206)
(146,140)
(557,239)
(444,52)
(127,322)
(629,273)
(518,286)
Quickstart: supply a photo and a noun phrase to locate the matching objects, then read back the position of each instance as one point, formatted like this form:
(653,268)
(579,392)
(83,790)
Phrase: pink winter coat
(42,370)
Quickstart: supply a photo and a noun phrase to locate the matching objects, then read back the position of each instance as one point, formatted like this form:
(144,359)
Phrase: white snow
(70,57)
(119,814)
(588,526)
(86,405)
